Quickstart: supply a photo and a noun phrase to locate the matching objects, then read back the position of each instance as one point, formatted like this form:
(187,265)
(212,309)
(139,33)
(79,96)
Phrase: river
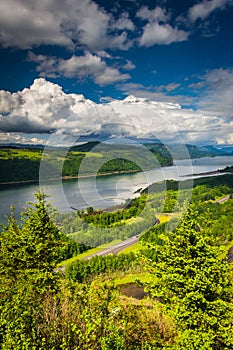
(103,191)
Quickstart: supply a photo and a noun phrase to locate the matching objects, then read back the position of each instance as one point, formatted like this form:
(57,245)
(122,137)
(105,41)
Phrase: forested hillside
(182,261)
(23,164)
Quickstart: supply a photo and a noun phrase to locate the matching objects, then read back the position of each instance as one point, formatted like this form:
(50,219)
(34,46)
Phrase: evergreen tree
(27,260)
(41,237)
(192,279)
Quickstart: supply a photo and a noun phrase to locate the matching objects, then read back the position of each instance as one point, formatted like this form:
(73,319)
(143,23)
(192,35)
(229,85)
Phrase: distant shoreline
(67,177)
(213,172)
(123,172)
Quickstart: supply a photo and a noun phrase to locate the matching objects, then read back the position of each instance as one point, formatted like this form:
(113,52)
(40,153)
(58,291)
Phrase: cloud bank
(69,23)
(46,108)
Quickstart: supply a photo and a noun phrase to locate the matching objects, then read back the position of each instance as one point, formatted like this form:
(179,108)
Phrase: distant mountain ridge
(219,150)
(177,149)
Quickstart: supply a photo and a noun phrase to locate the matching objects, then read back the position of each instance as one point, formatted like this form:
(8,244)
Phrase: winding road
(116,248)
(224,199)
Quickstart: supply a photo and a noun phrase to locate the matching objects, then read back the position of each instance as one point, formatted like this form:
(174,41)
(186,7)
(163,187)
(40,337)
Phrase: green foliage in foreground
(28,259)
(82,270)
(192,279)
(39,310)
(191,286)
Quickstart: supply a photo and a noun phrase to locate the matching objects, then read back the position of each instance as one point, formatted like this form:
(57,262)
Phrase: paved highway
(221,200)
(116,248)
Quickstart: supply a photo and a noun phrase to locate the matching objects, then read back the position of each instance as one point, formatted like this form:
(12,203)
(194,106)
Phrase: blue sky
(169,51)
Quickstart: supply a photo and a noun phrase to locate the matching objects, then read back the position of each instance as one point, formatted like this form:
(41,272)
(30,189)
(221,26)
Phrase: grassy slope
(87,253)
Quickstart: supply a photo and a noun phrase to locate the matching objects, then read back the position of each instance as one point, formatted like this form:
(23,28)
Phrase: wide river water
(103,191)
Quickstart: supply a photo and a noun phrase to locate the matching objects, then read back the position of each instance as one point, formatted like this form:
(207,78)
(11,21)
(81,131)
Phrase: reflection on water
(104,191)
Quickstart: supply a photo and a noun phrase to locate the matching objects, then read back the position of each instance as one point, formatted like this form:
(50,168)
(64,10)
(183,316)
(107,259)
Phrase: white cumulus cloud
(44,107)
(155,33)
(87,65)
(205,8)
(26,24)
(158,30)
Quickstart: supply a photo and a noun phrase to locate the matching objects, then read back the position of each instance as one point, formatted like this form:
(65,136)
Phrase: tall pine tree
(193,281)
(28,255)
